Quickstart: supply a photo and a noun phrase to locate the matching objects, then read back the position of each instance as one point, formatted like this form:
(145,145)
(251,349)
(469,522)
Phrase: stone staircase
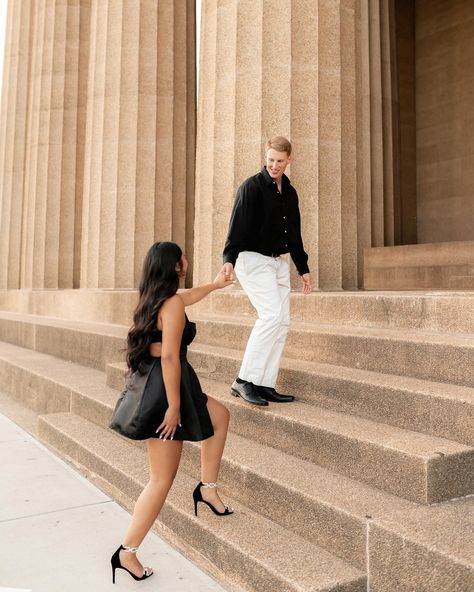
(364,483)
(444,266)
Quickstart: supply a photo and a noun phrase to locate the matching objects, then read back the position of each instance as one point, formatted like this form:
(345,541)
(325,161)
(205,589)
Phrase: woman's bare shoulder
(173,305)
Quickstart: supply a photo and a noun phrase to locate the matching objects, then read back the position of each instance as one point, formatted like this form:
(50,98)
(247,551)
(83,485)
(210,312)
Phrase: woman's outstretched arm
(193,295)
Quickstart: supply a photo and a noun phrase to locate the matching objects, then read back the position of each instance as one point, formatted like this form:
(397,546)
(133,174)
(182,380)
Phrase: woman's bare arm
(172,321)
(193,295)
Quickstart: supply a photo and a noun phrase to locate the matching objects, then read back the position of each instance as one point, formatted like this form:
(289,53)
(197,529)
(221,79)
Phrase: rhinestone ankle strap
(129,549)
(209,485)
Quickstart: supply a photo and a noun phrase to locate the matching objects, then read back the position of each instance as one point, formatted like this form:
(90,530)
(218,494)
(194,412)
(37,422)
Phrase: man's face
(276,163)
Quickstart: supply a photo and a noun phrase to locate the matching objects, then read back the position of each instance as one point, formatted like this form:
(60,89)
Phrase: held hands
(228,269)
(169,424)
(225,277)
(307,283)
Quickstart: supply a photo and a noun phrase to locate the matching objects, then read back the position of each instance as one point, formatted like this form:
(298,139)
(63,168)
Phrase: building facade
(99,152)
(367,481)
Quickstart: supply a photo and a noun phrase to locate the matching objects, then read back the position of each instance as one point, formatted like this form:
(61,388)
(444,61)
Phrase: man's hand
(307,283)
(228,270)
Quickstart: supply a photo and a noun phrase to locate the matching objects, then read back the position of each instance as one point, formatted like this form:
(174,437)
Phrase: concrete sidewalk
(58,531)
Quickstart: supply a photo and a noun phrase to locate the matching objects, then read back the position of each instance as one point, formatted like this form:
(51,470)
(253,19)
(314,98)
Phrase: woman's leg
(212,449)
(163,458)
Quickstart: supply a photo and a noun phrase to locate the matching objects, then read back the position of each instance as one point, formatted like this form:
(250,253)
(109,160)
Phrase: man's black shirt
(266,221)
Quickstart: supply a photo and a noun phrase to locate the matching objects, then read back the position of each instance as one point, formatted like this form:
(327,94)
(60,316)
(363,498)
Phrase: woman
(161,333)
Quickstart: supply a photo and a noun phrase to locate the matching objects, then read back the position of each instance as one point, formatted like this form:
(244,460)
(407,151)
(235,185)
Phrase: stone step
(45,383)
(347,517)
(413,465)
(431,311)
(430,356)
(333,511)
(434,408)
(415,277)
(462,282)
(85,343)
(336,525)
(251,550)
(438,537)
(409,464)
(437,357)
(428,310)
(422,266)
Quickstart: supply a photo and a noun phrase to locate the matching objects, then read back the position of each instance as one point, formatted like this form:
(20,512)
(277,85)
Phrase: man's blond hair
(280,144)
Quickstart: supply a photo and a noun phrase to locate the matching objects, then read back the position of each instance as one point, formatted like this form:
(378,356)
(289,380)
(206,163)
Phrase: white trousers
(266,281)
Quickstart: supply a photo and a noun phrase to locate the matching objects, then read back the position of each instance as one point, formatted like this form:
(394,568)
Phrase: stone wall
(98,154)
(445,120)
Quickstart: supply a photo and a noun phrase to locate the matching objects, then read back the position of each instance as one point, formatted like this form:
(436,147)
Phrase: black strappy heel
(115,561)
(197,497)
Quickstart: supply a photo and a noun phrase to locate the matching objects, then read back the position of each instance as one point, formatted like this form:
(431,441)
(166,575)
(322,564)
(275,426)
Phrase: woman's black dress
(195,420)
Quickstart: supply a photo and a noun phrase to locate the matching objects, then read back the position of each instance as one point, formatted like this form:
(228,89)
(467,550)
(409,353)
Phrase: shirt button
(284,217)
(286,245)
(286,231)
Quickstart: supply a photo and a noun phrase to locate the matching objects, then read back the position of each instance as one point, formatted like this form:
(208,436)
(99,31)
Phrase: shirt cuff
(230,259)
(302,270)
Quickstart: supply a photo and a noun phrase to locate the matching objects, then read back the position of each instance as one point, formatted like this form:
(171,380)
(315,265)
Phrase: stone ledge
(424,310)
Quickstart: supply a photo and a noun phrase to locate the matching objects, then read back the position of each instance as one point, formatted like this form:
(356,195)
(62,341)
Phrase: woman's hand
(169,424)
(224,278)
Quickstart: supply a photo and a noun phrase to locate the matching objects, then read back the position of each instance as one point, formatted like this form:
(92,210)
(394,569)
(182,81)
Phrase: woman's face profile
(182,266)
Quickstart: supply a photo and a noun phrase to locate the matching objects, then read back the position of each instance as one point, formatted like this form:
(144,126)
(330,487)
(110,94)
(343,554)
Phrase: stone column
(267,69)
(222,26)
(390,121)
(96,139)
(337,245)
(377,128)
(12,141)
(49,167)
(137,157)
(82,90)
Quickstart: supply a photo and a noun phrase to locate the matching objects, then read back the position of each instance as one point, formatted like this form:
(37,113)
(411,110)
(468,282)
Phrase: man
(265,224)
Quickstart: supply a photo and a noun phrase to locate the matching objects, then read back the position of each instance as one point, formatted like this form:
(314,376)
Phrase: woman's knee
(220,415)
(159,487)
(161,479)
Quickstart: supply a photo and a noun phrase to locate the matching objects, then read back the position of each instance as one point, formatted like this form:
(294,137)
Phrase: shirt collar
(268,180)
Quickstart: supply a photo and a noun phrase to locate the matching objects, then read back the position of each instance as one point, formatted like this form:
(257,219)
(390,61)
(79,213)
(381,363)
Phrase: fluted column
(270,68)
(337,245)
(12,141)
(32,145)
(139,131)
(49,167)
(222,25)
(96,139)
(378,216)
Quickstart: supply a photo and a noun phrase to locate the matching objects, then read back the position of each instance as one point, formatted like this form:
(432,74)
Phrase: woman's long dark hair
(159,281)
